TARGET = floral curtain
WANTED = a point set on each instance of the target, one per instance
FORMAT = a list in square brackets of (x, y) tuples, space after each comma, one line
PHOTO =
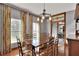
[(31, 22), (23, 17), (6, 29)]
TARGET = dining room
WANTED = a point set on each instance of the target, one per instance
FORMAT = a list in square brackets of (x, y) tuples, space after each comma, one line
[(37, 29)]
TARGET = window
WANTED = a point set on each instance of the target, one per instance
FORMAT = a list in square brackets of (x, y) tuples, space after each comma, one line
[(58, 17), (15, 29), (35, 34)]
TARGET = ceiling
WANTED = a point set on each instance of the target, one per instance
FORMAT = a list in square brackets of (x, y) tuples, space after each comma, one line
[(53, 8)]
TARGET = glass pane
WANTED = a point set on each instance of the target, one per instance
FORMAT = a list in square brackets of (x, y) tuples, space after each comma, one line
[(13, 36), (54, 29), (58, 17), (15, 29), (15, 24), (60, 29), (35, 34)]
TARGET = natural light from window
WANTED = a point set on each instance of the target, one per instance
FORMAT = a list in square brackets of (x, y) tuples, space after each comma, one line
[(15, 29), (35, 34)]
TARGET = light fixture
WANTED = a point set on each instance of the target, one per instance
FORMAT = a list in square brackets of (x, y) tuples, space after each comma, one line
[(38, 19), (41, 20), (45, 15), (50, 18)]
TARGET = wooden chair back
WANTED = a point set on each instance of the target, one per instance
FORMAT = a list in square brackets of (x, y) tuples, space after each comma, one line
[(19, 47)]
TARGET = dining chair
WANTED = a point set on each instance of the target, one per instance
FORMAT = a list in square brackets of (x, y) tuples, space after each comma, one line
[(22, 50)]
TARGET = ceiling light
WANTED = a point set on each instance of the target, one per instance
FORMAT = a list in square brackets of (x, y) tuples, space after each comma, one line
[(38, 19), (45, 15), (50, 18), (41, 20)]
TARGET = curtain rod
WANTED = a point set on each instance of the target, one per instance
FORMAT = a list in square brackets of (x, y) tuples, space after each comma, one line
[(20, 9)]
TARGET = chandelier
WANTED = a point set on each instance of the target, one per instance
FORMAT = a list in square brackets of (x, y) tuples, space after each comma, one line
[(44, 15)]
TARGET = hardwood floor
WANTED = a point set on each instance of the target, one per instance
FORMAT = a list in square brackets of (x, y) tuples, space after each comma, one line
[(61, 51), (14, 52)]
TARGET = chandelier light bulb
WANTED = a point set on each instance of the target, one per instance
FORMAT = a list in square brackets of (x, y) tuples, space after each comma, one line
[(38, 19), (50, 18), (42, 21), (43, 17)]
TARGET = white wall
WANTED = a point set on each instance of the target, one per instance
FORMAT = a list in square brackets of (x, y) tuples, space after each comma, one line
[(27, 24), (48, 26), (45, 26), (70, 24), (43, 29)]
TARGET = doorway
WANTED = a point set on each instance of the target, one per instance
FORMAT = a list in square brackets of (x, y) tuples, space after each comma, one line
[(59, 31)]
